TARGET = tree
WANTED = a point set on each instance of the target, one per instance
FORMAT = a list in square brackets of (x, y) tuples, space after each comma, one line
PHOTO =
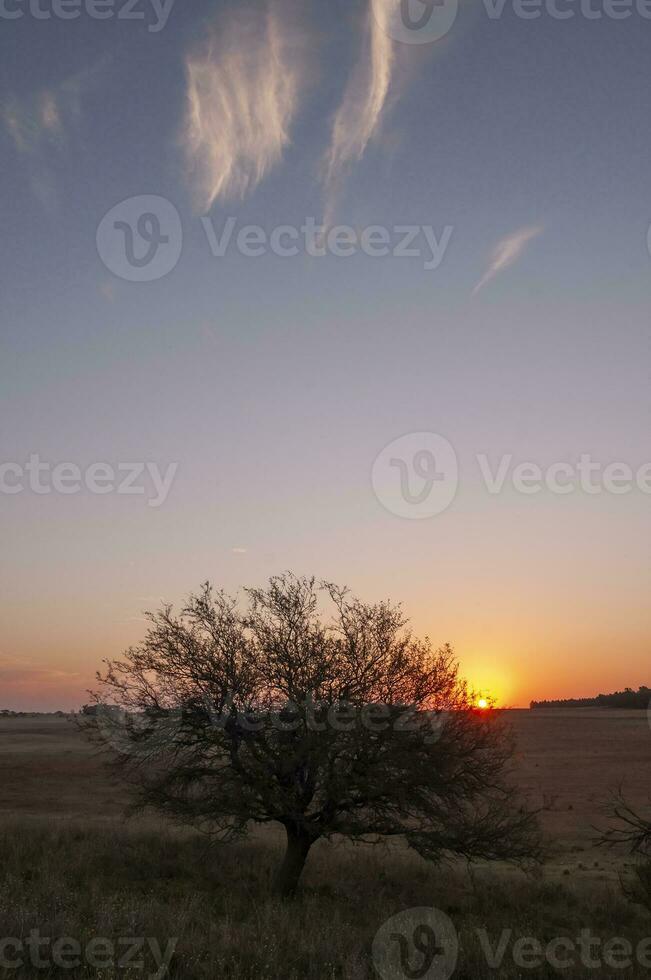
[(633, 831), (339, 724), (627, 828)]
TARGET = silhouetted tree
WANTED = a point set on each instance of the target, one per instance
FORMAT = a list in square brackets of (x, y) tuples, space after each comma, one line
[(627, 827), (342, 725), (630, 829)]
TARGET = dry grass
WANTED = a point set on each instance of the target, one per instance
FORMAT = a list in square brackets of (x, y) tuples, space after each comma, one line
[(69, 866)]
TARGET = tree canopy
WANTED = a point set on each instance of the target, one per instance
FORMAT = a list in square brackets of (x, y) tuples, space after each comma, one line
[(305, 707)]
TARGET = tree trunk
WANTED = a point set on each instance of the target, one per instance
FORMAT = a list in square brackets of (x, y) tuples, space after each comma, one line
[(287, 875)]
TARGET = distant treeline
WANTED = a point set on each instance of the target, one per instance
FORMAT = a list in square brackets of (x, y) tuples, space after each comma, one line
[(8, 713), (628, 698)]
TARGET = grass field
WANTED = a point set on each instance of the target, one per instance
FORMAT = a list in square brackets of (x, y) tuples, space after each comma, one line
[(71, 866)]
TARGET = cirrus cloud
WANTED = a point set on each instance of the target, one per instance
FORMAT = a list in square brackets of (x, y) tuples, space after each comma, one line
[(42, 126), (359, 115), (243, 89), (507, 251)]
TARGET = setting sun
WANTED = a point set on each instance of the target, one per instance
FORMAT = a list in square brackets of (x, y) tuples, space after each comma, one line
[(482, 703)]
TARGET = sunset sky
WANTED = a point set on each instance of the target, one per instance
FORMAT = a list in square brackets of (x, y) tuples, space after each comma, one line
[(275, 382)]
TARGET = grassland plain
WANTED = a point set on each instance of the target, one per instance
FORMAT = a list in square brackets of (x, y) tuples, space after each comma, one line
[(72, 866)]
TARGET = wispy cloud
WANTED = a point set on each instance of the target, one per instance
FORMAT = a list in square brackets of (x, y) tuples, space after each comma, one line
[(37, 119), (41, 125), (243, 86), (48, 117), (37, 126), (507, 251), (359, 115)]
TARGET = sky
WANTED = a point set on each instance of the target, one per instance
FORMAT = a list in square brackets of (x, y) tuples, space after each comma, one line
[(442, 399)]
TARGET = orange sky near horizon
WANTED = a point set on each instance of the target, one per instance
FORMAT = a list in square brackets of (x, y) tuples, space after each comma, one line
[(540, 598), (514, 665)]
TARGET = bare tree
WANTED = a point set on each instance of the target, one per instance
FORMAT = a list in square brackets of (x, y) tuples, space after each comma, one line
[(628, 828), (329, 724)]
